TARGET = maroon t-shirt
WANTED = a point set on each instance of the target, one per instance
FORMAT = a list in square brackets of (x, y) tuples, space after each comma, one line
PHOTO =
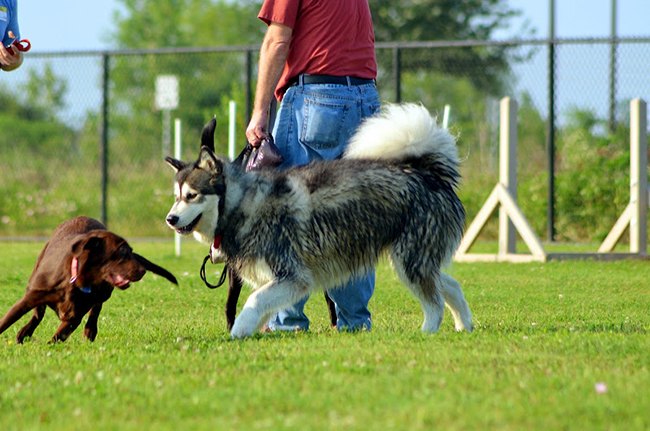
[(330, 37)]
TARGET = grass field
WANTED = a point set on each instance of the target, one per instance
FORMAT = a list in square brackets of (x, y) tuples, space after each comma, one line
[(557, 346)]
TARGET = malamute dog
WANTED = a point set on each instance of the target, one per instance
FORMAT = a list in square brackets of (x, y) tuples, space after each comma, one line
[(292, 231)]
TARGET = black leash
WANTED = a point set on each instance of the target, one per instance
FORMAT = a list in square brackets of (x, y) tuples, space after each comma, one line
[(251, 158), (222, 279)]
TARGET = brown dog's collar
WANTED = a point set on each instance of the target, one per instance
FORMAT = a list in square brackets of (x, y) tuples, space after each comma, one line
[(74, 270)]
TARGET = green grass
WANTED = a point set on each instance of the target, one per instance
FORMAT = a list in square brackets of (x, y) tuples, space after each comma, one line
[(545, 335)]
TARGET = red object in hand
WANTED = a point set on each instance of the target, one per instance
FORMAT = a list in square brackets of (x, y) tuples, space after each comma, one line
[(21, 45)]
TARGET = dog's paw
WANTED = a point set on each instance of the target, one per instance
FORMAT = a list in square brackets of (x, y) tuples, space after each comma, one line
[(245, 323), (25, 332), (90, 333)]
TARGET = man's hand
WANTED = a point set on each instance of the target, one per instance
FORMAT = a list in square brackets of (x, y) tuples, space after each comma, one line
[(8, 61), (257, 129)]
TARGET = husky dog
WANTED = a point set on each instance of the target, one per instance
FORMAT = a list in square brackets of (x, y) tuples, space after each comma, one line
[(292, 231)]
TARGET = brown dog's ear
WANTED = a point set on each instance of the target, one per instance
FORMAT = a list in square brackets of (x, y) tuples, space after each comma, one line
[(150, 266), (81, 250), (90, 242), (176, 164), (209, 162), (207, 137)]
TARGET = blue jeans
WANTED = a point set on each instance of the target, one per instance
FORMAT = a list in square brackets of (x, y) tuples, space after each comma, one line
[(315, 122)]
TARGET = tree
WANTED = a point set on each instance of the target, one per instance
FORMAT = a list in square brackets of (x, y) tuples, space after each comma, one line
[(207, 80), (427, 20), (449, 20)]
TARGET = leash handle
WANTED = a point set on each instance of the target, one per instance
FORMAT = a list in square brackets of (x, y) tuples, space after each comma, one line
[(222, 279)]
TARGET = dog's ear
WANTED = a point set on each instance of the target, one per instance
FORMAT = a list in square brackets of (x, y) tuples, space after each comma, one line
[(150, 266), (176, 164), (209, 162), (207, 138), (89, 244)]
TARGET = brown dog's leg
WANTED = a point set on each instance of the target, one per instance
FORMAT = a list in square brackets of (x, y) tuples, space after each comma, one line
[(331, 307), (234, 289), (19, 309), (90, 331), (28, 330), (66, 328)]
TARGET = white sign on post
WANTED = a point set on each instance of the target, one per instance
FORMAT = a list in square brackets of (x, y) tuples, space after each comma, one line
[(166, 100), (166, 92)]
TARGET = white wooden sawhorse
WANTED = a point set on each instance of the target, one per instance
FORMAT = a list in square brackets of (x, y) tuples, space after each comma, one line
[(512, 220)]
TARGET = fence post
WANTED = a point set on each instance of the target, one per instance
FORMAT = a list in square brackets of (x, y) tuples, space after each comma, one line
[(612, 69), (397, 71), (232, 122), (639, 176), (550, 132), (104, 141), (507, 171), (247, 85), (177, 155)]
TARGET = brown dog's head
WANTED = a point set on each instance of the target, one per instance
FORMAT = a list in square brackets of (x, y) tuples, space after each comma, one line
[(102, 257)]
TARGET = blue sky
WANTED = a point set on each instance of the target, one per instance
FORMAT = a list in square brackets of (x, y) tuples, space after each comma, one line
[(85, 25)]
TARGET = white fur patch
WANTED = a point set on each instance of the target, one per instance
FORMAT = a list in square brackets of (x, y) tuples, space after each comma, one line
[(399, 131)]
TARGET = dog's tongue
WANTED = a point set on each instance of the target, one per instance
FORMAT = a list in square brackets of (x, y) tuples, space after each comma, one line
[(119, 281)]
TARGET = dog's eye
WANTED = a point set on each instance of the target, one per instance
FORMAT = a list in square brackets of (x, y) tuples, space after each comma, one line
[(190, 196)]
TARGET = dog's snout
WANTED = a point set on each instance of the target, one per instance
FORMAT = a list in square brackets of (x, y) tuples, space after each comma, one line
[(172, 220)]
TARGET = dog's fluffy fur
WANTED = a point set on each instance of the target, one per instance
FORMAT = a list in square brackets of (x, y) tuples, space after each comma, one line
[(290, 232)]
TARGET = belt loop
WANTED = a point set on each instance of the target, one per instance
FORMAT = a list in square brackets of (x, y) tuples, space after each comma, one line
[(300, 80), (347, 78)]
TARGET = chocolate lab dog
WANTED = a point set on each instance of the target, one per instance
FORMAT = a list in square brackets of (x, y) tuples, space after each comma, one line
[(76, 273)]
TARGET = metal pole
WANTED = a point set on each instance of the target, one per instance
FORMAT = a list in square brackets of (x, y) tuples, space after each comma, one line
[(550, 135), (166, 134), (177, 156), (397, 71), (103, 156), (247, 85), (232, 122), (612, 71)]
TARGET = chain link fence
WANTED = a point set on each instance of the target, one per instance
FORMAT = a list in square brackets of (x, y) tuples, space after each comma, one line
[(82, 135)]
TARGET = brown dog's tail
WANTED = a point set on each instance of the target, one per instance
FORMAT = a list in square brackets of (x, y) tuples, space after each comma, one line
[(149, 266)]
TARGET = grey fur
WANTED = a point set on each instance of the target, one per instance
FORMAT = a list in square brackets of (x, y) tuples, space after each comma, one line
[(292, 231)]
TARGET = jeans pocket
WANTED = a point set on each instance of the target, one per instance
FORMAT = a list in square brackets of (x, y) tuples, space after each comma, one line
[(323, 124)]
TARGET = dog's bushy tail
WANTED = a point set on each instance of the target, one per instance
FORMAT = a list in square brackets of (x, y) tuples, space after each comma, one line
[(400, 132)]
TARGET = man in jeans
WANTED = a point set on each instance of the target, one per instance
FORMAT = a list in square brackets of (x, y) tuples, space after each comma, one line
[(318, 59)]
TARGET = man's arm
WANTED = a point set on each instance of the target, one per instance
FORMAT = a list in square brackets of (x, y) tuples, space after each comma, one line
[(273, 56)]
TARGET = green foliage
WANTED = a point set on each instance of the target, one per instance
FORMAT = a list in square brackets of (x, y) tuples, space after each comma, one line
[(593, 178), (46, 91), (417, 20), (546, 335), (435, 20)]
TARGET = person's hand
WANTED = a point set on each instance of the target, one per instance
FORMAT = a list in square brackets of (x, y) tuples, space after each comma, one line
[(8, 61), (257, 131)]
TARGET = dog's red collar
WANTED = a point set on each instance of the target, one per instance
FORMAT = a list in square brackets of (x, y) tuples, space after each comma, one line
[(217, 242)]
